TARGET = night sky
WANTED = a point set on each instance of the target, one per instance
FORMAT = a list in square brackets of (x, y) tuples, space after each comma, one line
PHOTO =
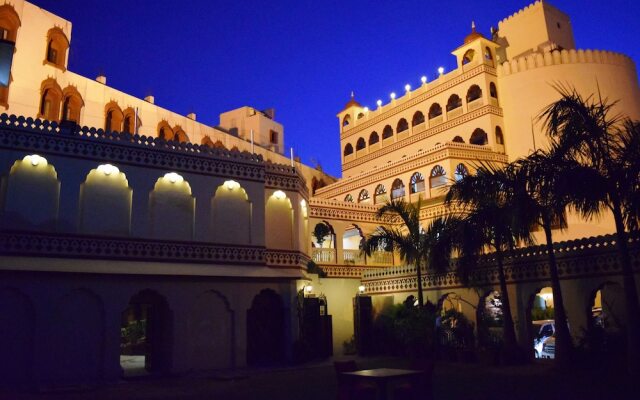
[(301, 57)]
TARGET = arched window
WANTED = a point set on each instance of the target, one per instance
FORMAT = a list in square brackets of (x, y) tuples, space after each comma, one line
[(9, 23), (71, 104), (499, 137), (488, 56), (347, 120), (474, 93), (418, 118), (219, 145), (479, 137), (129, 123), (458, 139), (57, 45), (468, 57), (179, 135), (454, 102), (417, 183), (50, 98), (438, 177), (348, 198), (164, 131), (397, 189), (373, 138), (206, 141), (360, 115), (435, 111), (113, 117), (380, 194), (348, 149), (363, 197), (461, 172), (493, 92), (402, 126), (360, 144), (387, 132)]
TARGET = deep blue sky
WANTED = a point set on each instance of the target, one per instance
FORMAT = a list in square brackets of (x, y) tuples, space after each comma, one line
[(301, 57)]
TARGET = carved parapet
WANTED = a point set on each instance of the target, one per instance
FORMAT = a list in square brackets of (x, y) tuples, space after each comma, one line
[(286, 259)]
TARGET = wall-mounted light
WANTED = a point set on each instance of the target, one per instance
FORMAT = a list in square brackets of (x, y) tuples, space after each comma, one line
[(279, 194), (407, 87), (308, 289), (441, 70), (393, 95), (423, 79), (173, 177), (35, 160), (231, 185), (361, 289), (108, 169)]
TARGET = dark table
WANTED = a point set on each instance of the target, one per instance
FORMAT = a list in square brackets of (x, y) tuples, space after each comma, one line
[(381, 376)]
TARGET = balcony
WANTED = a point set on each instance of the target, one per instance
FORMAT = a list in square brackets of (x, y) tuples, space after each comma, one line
[(323, 256), (353, 256)]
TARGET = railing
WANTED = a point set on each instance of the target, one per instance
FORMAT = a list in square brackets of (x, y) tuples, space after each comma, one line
[(380, 258), (323, 255), (353, 257)]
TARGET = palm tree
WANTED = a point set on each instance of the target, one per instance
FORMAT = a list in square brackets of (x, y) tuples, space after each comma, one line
[(606, 149), (492, 221), (422, 248), (541, 190)]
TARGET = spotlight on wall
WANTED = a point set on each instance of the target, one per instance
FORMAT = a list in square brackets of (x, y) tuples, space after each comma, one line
[(423, 79), (173, 177), (35, 160), (441, 70), (379, 103), (108, 169), (407, 87), (393, 95), (279, 194), (231, 185)]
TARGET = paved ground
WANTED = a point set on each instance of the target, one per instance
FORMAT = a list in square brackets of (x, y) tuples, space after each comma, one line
[(317, 381)]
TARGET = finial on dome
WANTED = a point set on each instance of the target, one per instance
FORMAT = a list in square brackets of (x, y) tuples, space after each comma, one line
[(473, 26), (352, 95)]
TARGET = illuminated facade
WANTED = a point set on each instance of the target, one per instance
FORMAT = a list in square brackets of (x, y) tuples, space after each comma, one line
[(151, 215)]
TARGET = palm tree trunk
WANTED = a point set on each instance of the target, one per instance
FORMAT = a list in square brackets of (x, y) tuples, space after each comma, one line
[(631, 294), (564, 348), (509, 330), (419, 272)]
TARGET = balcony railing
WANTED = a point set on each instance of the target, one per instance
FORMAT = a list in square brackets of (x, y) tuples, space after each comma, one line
[(324, 255), (353, 256), (380, 258)]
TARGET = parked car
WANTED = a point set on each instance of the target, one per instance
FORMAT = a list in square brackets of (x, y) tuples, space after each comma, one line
[(543, 330), (549, 348)]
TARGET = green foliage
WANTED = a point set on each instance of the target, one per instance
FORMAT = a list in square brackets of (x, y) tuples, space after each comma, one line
[(320, 231), (542, 313), (313, 268), (405, 330), (134, 332)]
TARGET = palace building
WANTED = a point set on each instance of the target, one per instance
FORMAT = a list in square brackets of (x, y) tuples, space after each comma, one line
[(133, 234)]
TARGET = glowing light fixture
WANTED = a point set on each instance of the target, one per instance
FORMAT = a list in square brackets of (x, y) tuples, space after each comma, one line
[(379, 103), (108, 169), (407, 87), (279, 194), (308, 289), (231, 185), (303, 203), (361, 289), (423, 79), (35, 160), (441, 70), (393, 95), (366, 109), (173, 177)]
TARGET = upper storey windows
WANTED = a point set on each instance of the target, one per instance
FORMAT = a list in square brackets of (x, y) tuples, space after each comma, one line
[(9, 23), (57, 46)]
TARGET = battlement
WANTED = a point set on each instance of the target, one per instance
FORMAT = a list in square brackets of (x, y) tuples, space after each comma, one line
[(558, 57), (526, 9)]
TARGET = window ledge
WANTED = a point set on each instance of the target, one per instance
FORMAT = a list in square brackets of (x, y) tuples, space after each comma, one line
[(60, 67)]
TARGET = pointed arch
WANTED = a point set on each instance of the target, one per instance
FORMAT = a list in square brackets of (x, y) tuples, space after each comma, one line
[(348, 149), (164, 131), (474, 93), (380, 194), (397, 189), (360, 144), (363, 196), (468, 56), (57, 46), (346, 120), (9, 22), (418, 118), (460, 172), (454, 102), (50, 98), (179, 135), (435, 111), (387, 132), (479, 137), (113, 117), (72, 104), (437, 177), (402, 126), (374, 138), (416, 183), (129, 123), (206, 141)]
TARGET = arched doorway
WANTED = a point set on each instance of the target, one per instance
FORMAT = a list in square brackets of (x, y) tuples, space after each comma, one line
[(265, 329), (542, 326), (605, 337), (352, 240), (145, 335), (323, 240)]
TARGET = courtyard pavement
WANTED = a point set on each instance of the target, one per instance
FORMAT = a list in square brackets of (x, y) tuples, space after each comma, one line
[(454, 381)]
